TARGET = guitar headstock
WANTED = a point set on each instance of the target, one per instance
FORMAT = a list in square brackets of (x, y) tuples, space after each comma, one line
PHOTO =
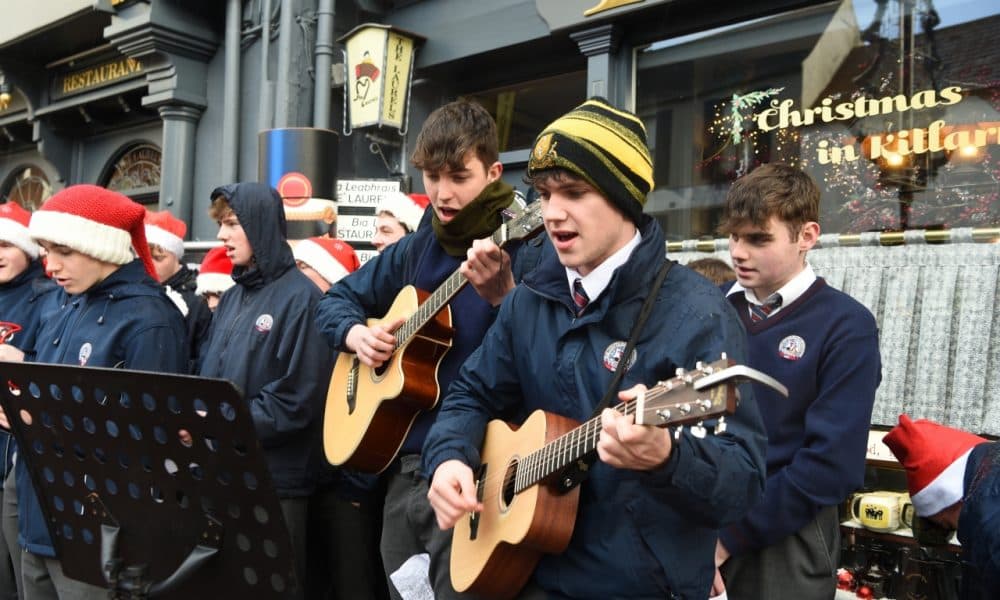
[(527, 224), (707, 391)]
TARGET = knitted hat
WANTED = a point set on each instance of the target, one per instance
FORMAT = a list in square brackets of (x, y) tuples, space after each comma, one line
[(166, 231), (934, 457), (215, 273), (604, 146), (94, 221), (14, 228), (407, 208), (332, 259)]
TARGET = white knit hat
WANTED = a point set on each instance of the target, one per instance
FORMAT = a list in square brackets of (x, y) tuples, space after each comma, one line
[(407, 208), (332, 259), (166, 231), (94, 221), (14, 228)]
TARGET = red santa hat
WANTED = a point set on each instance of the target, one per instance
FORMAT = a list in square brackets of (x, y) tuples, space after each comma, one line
[(166, 231), (332, 259), (14, 228), (407, 208), (94, 221), (934, 457), (215, 273)]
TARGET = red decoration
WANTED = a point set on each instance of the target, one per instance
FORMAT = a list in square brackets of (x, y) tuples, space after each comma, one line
[(864, 592)]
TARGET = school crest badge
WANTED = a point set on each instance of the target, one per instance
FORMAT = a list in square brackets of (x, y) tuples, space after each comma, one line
[(264, 323), (792, 347), (613, 354), (84, 355)]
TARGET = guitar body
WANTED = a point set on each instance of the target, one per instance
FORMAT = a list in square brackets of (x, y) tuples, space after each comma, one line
[(369, 411), (496, 556)]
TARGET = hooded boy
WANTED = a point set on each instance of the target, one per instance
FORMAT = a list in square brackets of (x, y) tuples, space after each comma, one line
[(110, 312), (264, 340)]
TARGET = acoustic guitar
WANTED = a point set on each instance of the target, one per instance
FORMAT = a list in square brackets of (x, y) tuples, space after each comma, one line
[(526, 508), (370, 411)]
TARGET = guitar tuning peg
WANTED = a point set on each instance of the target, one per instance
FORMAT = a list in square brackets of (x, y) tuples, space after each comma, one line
[(721, 426), (724, 356), (699, 366), (698, 430), (679, 372), (677, 432)]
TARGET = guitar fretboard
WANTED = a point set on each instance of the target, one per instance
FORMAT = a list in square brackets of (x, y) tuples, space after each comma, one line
[(564, 450), (441, 296)]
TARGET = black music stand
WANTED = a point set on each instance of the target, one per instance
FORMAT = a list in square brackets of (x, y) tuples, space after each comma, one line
[(133, 508)]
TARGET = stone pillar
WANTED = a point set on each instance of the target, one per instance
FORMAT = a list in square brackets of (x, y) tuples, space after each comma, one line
[(607, 74), (177, 193)]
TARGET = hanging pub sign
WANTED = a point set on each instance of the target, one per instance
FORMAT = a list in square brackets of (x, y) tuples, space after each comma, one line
[(379, 67)]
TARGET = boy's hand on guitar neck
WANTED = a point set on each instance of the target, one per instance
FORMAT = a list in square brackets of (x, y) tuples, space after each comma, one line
[(373, 345), (625, 445), (452, 493), (487, 267)]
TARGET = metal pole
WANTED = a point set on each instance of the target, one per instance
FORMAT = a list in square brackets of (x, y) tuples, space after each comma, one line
[(231, 95), (266, 95), (283, 96), (324, 61)]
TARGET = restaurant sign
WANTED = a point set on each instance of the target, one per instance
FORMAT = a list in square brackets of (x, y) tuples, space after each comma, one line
[(96, 76)]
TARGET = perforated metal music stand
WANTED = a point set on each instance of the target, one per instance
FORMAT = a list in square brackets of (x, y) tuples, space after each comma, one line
[(133, 507)]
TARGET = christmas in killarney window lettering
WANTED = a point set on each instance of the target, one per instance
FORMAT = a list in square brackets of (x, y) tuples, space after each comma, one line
[(893, 106)]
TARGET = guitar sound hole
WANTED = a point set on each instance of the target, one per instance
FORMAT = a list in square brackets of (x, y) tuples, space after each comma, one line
[(507, 491)]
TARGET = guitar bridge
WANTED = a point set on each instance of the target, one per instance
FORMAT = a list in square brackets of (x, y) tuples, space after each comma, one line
[(474, 516), (352, 386)]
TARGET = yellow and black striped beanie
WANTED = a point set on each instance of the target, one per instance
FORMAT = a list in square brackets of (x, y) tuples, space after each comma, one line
[(604, 146)]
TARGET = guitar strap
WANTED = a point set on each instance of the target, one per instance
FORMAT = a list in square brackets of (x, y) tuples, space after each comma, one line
[(576, 473)]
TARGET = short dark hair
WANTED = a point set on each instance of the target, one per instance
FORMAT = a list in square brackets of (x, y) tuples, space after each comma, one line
[(451, 131), (778, 190)]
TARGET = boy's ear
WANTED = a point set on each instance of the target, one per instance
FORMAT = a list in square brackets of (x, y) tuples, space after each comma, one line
[(494, 172), (808, 236)]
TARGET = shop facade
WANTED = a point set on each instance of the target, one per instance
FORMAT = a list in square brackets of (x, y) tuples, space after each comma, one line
[(893, 106)]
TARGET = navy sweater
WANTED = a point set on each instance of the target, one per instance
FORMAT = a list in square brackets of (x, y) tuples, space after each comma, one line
[(824, 347)]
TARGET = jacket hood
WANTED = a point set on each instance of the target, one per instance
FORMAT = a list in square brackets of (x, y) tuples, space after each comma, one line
[(262, 216)]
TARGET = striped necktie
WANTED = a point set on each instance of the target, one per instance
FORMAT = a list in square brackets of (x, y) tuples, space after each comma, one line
[(579, 296), (759, 312)]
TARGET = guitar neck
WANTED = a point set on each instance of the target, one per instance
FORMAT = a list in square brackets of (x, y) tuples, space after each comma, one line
[(437, 300), (563, 451)]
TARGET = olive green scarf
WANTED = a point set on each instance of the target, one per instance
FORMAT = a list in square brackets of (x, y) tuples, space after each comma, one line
[(479, 219)]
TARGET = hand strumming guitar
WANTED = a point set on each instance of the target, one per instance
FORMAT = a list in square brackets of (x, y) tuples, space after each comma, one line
[(452, 493), (373, 345), (625, 445), (487, 267)]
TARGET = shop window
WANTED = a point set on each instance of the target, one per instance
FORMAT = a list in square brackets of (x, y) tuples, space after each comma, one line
[(135, 173), (893, 106), (28, 186), (523, 110)]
